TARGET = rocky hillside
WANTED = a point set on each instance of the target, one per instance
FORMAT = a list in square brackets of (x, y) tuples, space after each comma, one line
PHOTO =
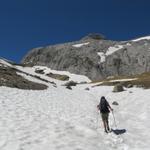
[(10, 76), (95, 57)]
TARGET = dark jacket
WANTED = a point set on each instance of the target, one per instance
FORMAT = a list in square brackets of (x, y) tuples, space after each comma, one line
[(103, 106)]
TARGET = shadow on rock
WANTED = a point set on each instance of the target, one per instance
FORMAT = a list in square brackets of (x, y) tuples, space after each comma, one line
[(119, 131)]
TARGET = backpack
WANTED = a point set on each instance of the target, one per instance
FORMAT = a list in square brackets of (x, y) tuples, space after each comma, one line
[(103, 106)]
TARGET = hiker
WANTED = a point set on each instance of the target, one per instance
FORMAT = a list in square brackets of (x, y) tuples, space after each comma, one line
[(104, 108)]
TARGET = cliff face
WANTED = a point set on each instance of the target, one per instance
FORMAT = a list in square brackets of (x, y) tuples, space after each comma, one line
[(94, 57)]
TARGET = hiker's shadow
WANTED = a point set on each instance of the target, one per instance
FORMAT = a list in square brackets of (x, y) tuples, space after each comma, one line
[(118, 131)]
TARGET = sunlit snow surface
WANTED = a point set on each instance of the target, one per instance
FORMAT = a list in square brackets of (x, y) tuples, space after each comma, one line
[(58, 118), (62, 119)]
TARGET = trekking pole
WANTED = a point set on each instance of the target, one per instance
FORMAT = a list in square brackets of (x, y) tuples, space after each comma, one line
[(97, 118), (114, 119)]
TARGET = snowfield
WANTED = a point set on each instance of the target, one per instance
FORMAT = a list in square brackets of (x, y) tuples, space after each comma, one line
[(63, 119), (58, 118)]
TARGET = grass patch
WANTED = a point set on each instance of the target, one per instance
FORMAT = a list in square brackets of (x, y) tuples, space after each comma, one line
[(58, 76), (140, 80)]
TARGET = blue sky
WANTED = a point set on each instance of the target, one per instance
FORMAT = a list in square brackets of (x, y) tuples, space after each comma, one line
[(26, 24)]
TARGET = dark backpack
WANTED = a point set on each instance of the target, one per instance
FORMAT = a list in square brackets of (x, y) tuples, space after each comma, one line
[(103, 106)]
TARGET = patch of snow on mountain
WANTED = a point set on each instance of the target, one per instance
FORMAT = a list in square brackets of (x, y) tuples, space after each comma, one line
[(80, 45), (142, 38), (5, 63), (102, 57), (111, 50), (73, 77), (31, 70)]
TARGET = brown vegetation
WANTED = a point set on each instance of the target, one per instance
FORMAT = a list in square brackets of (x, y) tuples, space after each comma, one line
[(58, 76), (9, 78), (140, 80)]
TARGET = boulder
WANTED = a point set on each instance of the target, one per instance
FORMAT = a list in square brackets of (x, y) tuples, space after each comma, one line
[(118, 88), (69, 87), (70, 83), (40, 71), (87, 89), (115, 103)]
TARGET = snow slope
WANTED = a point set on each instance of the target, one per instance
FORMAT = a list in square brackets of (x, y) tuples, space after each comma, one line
[(62, 119), (142, 38), (72, 77)]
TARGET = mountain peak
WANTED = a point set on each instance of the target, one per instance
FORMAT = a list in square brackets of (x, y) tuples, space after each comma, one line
[(94, 36)]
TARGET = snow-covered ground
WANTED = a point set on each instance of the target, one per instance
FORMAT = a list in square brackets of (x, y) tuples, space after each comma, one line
[(63, 119), (58, 118)]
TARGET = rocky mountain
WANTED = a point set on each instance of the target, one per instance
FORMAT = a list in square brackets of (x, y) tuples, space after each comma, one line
[(94, 57)]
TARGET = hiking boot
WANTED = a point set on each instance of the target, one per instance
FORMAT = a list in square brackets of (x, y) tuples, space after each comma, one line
[(108, 129), (105, 131)]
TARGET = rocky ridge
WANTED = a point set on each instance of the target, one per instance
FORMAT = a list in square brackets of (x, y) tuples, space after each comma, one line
[(94, 57)]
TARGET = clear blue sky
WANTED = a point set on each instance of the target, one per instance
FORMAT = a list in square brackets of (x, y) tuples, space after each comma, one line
[(26, 24)]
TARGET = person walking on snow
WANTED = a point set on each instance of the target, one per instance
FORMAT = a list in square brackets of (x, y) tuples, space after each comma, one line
[(104, 108)]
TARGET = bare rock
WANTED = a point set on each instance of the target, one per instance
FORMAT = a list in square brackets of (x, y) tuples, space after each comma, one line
[(70, 83), (69, 87), (87, 89), (129, 58), (115, 103), (40, 71), (118, 88)]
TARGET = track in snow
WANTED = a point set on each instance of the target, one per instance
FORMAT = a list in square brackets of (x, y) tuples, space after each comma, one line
[(31, 120)]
